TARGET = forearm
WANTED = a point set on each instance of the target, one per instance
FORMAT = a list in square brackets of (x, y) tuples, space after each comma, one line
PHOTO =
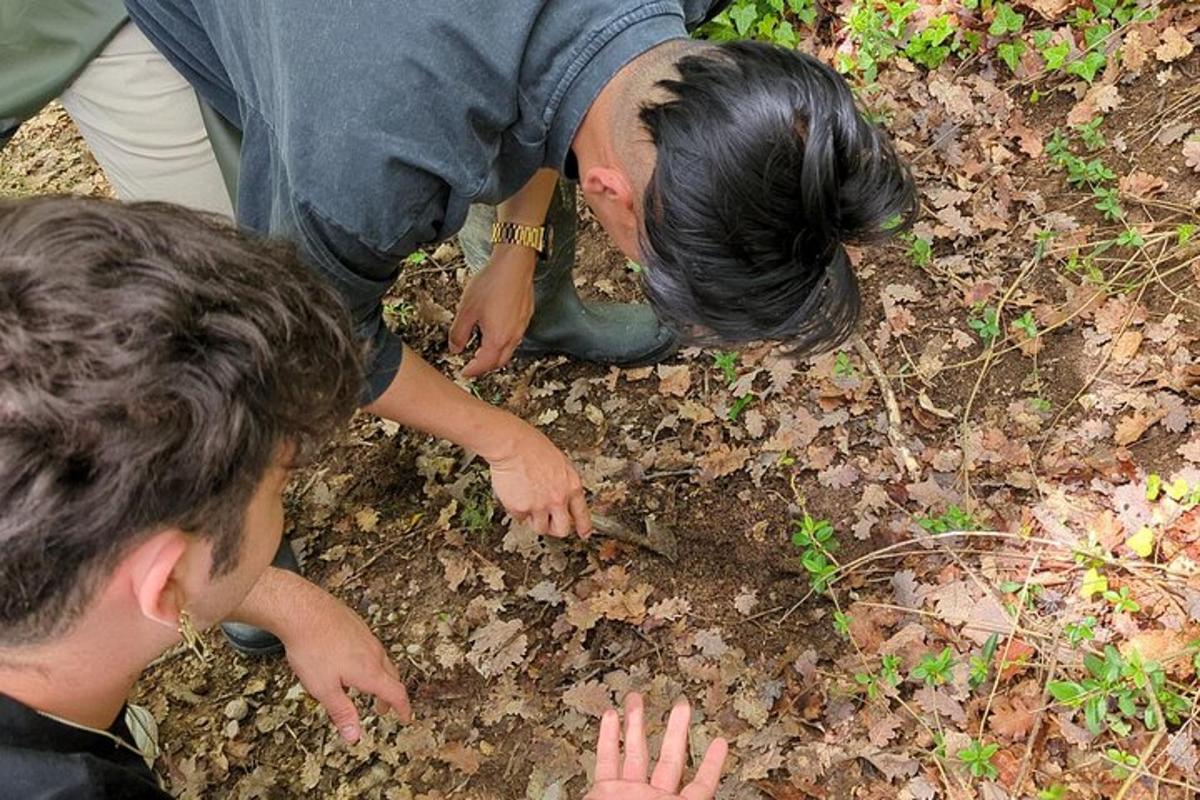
[(530, 204), (420, 397), (275, 600)]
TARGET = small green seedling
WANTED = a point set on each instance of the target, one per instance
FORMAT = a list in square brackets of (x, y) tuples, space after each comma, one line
[(1090, 135), (727, 363), (1108, 202), (1131, 237), (987, 325), (934, 670), (842, 366), (889, 669), (977, 757), (816, 541), (416, 258), (1121, 601), (953, 519), (1079, 632), (841, 624), (1121, 761), (981, 664), (739, 405), (1027, 325), (1006, 21)]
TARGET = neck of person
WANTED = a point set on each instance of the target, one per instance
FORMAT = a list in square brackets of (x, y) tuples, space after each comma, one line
[(611, 125), (85, 675)]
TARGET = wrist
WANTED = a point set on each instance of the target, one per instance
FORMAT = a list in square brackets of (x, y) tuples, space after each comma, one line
[(516, 259), (501, 434)]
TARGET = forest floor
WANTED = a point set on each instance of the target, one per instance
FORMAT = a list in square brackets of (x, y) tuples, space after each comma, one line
[(959, 557)]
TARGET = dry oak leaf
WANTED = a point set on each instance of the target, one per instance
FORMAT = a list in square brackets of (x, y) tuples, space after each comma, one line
[(460, 757), (884, 730), (840, 477), (1191, 154), (1142, 184), (1130, 428), (671, 609), (497, 646), (674, 380), (1174, 46), (592, 698), (722, 461), (1133, 53), (1011, 718)]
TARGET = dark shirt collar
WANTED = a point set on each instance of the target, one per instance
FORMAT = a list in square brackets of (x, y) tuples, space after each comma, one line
[(606, 52), (36, 750)]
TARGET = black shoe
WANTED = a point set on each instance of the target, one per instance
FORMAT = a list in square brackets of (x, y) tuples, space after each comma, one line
[(256, 642)]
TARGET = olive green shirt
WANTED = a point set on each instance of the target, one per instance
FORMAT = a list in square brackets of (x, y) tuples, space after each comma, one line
[(44, 44)]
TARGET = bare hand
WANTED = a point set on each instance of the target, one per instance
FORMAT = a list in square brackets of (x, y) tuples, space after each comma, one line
[(537, 484), (331, 650), (499, 302), (628, 781)]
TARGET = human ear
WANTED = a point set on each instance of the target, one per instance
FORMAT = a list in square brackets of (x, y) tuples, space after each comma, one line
[(156, 571), (610, 194)]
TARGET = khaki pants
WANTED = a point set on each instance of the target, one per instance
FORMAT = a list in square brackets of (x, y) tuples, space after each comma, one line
[(141, 120)]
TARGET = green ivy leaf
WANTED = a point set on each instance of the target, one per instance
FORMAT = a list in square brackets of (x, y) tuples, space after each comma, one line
[(1006, 21)]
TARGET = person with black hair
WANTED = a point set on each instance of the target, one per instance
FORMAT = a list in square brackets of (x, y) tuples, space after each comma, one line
[(734, 173)]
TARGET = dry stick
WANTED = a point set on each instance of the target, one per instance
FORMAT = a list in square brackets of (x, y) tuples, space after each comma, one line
[(989, 355), (1035, 730), (987, 709), (1149, 748), (895, 422)]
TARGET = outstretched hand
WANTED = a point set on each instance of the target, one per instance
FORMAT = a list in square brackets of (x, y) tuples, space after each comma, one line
[(627, 780), (332, 650)]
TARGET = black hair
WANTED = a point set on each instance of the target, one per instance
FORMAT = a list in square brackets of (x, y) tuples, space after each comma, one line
[(153, 363), (765, 170)]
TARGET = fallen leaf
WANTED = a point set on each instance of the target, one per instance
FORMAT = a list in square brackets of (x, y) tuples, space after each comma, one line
[(367, 520), (884, 730), (1142, 542), (460, 757), (839, 477), (1131, 427), (1142, 184), (1191, 154), (745, 601), (592, 698), (1174, 46), (1126, 346), (1093, 583), (1011, 718), (497, 646), (674, 381)]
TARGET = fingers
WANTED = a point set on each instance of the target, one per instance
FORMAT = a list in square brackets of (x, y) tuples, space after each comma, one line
[(487, 358), (560, 522), (708, 776), (637, 757), (539, 520), (389, 691), (673, 755), (463, 326), (342, 712), (608, 747), (581, 517)]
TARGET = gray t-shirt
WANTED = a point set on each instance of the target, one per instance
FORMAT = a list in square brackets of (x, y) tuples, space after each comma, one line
[(371, 125)]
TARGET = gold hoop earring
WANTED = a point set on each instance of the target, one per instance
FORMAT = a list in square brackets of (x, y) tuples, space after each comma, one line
[(192, 638)]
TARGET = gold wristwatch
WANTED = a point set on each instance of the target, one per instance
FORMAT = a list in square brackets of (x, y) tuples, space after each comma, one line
[(536, 237)]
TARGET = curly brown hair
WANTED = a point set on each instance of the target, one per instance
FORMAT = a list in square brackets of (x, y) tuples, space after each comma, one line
[(153, 361)]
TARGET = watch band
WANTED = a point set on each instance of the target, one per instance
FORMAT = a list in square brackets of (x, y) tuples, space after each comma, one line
[(536, 237)]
